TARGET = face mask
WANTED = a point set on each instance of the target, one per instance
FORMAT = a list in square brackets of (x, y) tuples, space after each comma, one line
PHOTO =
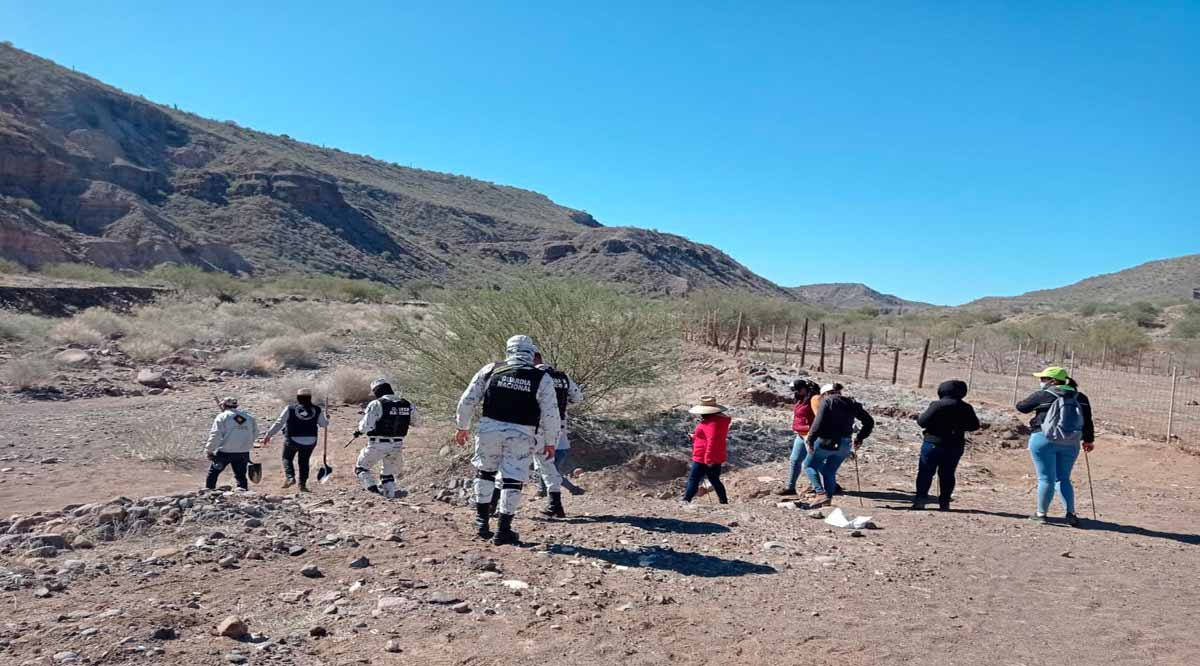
[(305, 400), (1046, 384)]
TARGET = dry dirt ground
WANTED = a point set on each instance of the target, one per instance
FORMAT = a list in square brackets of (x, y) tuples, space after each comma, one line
[(631, 577)]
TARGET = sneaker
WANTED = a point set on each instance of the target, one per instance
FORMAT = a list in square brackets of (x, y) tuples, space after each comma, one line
[(303, 488), (943, 506), (288, 482), (1072, 520), (1038, 518), (785, 491)]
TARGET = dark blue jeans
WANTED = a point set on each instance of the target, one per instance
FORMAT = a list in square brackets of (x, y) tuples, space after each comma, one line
[(699, 471), (238, 461), (940, 460)]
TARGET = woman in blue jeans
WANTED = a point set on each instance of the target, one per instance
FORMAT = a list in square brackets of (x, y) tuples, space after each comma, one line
[(1054, 460)]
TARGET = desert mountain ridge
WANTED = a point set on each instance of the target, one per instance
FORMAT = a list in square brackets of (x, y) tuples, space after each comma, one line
[(89, 173)]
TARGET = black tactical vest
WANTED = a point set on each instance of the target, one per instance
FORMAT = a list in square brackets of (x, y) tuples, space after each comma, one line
[(511, 394), (394, 420), (302, 421), (562, 390)]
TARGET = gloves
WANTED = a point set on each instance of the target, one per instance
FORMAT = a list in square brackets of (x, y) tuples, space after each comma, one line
[(357, 433), (212, 457)]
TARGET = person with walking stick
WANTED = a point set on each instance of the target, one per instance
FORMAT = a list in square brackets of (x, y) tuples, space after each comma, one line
[(1061, 425), (829, 438), (1088, 444)]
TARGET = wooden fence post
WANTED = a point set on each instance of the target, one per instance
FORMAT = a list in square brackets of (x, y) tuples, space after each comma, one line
[(924, 358), (895, 364), (787, 332), (1171, 409), (737, 345), (804, 343), (1017, 372), (842, 358), (772, 348), (1104, 356), (870, 347), (821, 366), (1071, 365), (971, 366)]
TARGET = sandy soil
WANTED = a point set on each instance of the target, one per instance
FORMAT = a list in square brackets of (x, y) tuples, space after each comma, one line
[(627, 578)]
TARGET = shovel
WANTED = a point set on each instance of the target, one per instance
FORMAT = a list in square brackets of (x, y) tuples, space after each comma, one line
[(326, 471)]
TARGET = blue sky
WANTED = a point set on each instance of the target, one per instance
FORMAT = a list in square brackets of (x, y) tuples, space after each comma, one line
[(941, 151)]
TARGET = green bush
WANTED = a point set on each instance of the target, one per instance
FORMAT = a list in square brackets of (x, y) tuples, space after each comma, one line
[(1187, 328), (23, 327), (1141, 313), (1122, 338), (610, 343), (193, 280), (335, 288), (82, 273), (8, 267)]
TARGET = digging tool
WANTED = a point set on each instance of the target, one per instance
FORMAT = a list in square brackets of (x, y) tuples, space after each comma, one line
[(857, 478), (1091, 491), (326, 471), (351, 441)]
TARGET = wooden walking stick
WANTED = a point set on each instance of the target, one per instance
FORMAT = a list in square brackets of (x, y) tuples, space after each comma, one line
[(857, 478), (1091, 491)]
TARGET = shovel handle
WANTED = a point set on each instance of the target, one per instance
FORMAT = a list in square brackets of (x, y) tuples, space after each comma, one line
[(351, 441)]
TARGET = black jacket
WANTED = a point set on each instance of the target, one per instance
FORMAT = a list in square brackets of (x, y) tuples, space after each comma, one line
[(1039, 403), (835, 419), (948, 419)]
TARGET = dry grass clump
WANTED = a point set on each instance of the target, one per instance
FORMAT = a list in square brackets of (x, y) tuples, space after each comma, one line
[(285, 389), (145, 349), (350, 386), (248, 361), (23, 327), (103, 321), (175, 445), (27, 372), (73, 331)]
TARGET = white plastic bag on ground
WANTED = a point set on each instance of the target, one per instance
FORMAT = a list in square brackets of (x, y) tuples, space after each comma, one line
[(838, 519)]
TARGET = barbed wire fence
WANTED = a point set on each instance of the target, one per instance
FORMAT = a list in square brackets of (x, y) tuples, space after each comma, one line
[(1151, 395)]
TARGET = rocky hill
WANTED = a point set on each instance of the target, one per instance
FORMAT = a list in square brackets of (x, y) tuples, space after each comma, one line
[(848, 295), (90, 173), (1154, 281)]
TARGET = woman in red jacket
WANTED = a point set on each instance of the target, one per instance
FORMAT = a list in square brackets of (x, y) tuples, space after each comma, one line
[(708, 448)]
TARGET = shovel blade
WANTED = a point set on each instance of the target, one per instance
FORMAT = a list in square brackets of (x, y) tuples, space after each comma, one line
[(324, 474)]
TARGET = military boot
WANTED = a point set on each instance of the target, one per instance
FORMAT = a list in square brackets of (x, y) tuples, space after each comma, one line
[(554, 509), (505, 536), (483, 518), (495, 510)]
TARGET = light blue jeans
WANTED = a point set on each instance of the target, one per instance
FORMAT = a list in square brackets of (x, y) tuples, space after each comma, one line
[(821, 466), (799, 453), (1053, 463)]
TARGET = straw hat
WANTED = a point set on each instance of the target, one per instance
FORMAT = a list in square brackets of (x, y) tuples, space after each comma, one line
[(708, 405)]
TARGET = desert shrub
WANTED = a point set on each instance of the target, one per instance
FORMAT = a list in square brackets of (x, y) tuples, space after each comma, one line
[(193, 280), (82, 272), (9, 267), (172, 444), (1122, 338), (1141, 313), (103, 321), (27, 372), (285, 389), (302, 318), (610, 343), (24, 327), (248, 361), (350, 386), (292, 352), (335, 288), (1188, 327), (77, 332), (145, 349)]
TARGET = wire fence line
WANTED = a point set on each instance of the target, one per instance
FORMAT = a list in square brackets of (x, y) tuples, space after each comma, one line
[(1150, 395)]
